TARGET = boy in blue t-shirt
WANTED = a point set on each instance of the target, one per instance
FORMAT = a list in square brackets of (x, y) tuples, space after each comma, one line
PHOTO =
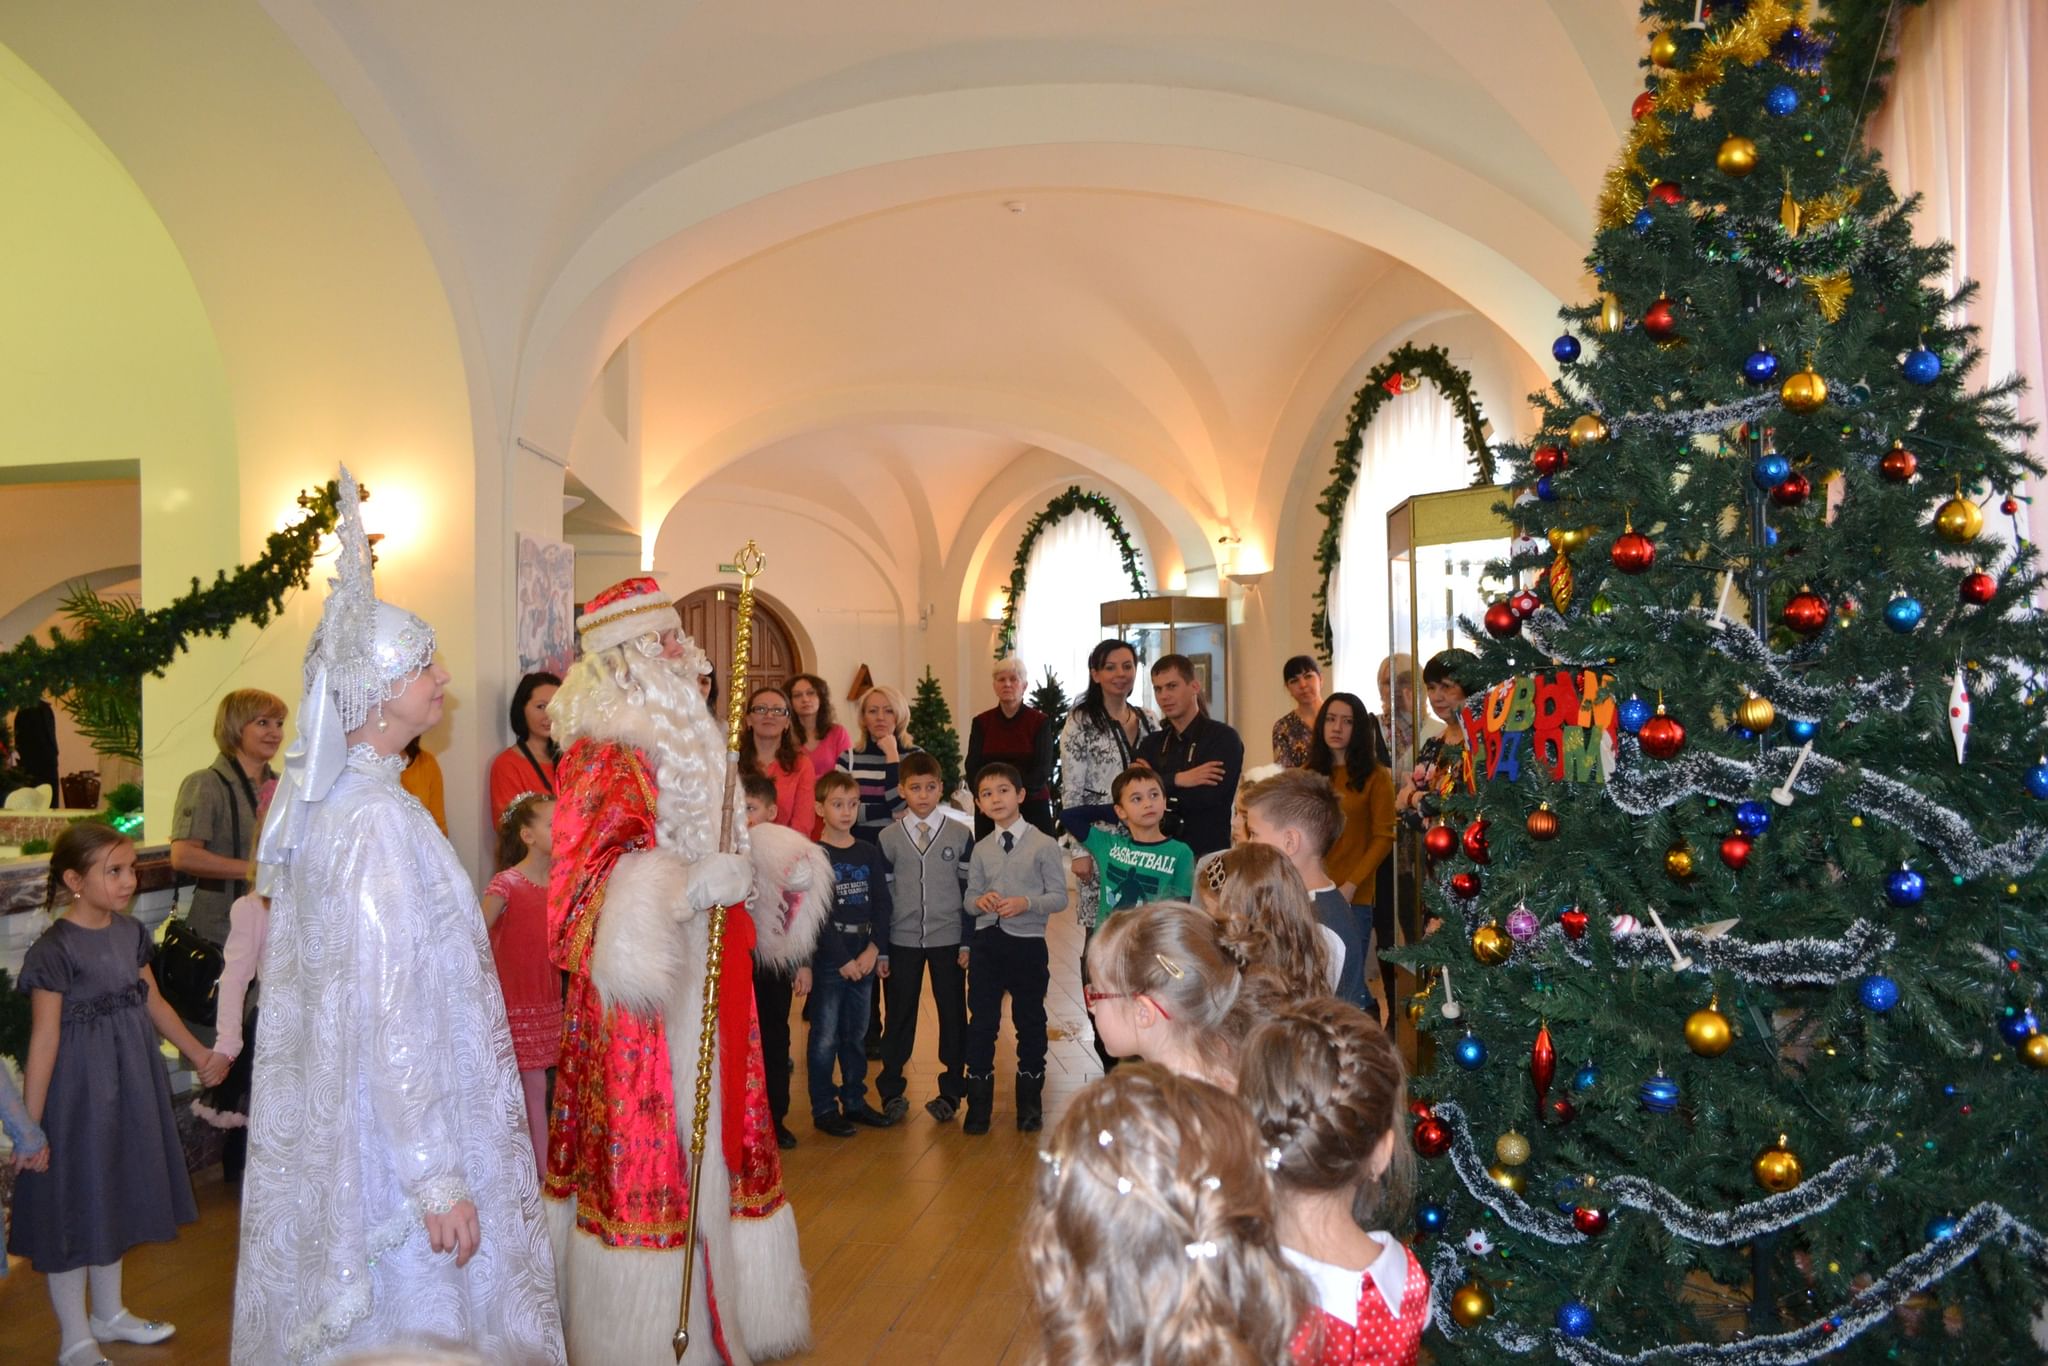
[(843, 964)]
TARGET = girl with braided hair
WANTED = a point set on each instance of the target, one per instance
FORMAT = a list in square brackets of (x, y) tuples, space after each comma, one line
[(1264, 906), (1151, 1234), (1326, 1087), (1167, 983)]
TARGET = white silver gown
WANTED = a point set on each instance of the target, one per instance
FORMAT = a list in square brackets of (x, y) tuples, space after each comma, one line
[(385, 1086)]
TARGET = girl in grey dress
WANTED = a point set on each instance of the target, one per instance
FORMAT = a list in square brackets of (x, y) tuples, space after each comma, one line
[(114, 1174)]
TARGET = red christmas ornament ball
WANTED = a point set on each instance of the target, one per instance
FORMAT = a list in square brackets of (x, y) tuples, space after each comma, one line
[(1660, 319), (1667, 192), (1805, 612), (1574, 922), (1561, 1111), (1524, 604), (1440, 841), (1548, 459), (1795, 490), (1432, 1137), (1978, 588), (2010, 506), (1661, 736), (1642, 105), (1589, 1221), (1465, 886), (1633, 552), (1898, 465), (1735, 851), (1501, 621), (1474, 841)]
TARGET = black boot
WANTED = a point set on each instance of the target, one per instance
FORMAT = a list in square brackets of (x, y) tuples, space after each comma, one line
[(981, 1104), (1030, 1109)]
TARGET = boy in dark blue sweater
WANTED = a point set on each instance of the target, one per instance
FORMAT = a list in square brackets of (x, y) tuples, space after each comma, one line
[(843, 965)]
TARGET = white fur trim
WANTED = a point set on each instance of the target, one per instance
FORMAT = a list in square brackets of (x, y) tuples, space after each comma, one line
[(792, 895), (619, 1303), (772, 1302), (637, 957), (219, 1119)]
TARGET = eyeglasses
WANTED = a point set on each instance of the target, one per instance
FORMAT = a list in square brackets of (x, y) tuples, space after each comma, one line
[(767, 711), (1094, 998)]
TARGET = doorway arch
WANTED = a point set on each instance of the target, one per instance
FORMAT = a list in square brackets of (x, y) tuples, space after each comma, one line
[(711, 617)]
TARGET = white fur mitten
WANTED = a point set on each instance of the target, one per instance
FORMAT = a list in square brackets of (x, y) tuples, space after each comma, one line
[(719, 880)]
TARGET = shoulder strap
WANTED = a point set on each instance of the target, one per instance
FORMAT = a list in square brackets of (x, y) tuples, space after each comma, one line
[(235, 824)]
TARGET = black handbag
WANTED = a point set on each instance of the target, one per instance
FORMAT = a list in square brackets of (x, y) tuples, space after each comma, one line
[(188, 968)]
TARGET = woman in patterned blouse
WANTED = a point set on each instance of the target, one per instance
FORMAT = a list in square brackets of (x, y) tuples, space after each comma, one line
[(1294, 732)]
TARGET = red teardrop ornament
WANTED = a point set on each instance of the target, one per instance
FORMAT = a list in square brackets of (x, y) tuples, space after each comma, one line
[(1542, 1062), (1574, 922)]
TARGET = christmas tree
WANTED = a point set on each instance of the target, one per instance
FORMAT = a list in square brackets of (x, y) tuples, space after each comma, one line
[(1734, 1001), (931, 729), (1051, 699)]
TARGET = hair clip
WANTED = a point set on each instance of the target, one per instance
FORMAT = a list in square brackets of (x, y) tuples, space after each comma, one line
[(1173, 969), (512, 806), (1273, 1159), (1215, 874), (1205, 1250), (1050, 1159), (1105, 1138), (1123, 1185), (1212, 1183)]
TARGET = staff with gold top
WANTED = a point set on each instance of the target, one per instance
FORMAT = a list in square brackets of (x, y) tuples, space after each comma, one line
[(654, 1168)]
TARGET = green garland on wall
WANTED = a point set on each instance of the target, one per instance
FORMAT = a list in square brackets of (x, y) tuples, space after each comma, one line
[(122, 650), (1074, 500), (1400, 373)]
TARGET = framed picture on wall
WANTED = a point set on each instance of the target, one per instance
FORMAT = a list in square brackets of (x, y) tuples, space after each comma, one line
[(546, 575), (1201, 663)]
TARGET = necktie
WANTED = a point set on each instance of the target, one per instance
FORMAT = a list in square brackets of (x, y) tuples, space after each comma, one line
[(923, 834), (1009, 841)]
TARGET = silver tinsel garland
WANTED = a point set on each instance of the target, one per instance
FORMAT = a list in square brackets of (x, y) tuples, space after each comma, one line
[(1695, 421), (1813, 961)]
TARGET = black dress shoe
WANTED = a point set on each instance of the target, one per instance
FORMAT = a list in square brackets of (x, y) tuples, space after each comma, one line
[(895, 1108), (834, 1125), (784, 1139), (941, 1108), (871, 1118)]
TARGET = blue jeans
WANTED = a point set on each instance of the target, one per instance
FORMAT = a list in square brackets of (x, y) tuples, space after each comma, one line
[(839, 1030)]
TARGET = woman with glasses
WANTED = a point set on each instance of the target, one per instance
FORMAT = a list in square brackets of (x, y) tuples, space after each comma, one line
[(770, 751)]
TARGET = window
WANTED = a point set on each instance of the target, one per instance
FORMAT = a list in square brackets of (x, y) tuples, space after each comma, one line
[(1414, 445), (1072, 570)]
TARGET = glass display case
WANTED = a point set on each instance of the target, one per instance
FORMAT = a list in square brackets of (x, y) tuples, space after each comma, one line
[(1168, 625), (1438, 548)]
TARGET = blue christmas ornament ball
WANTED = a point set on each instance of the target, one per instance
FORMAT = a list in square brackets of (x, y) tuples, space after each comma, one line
[(1575, 1318), (1470, 1051), (1643, 222), (1770, 471), (1760, 368), (1585, 1078), (1802, 731), (1565, 348), (1781, 100), (1878, 993), (1752, 818), (1430, 1218), (1659, 1095), (1905, 887), (1940, 1230), (1770, 535), (1903, 614), (1922, 366), (1633, 713), (2015, 1025), (1564, 1193), (2037, 781), (1546, 490)]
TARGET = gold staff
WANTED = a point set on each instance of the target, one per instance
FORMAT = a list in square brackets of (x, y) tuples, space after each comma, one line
[(749, 562)]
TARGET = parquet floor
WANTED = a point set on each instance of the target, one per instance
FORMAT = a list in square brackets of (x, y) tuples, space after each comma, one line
[(910, 1234)]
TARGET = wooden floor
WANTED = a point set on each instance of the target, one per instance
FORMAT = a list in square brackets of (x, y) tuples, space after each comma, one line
[(910, 1234)]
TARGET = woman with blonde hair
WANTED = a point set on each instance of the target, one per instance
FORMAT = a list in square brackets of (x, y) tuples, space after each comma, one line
[(1151, 1234), (875, 762)]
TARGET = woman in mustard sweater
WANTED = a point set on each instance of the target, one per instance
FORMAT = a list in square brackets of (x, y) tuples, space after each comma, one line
[(1342, 751)]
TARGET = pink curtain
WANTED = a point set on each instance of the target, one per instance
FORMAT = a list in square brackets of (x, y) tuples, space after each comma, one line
[(1963, 126)]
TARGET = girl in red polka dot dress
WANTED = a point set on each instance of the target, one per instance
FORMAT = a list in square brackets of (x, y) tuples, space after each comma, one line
[(1327, 1089)]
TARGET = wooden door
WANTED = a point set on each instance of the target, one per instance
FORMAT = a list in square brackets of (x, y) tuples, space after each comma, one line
[(711, 617)]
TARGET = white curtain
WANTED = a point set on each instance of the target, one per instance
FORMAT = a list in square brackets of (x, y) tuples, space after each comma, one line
[(1413, 445), (1961, 125), (1072, 570)]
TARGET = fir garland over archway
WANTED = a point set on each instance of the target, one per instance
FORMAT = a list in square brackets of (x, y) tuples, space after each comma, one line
[(1401, 373), (1074, 500), (120, 650)]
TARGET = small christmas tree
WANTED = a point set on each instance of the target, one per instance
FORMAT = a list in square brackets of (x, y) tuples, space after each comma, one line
[(931, 728), (1051, 699)]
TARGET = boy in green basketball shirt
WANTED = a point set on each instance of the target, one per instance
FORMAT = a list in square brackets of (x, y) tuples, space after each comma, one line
[(1137, 865)]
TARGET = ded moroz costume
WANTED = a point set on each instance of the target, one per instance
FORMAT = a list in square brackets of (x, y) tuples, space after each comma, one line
[(642, 797), (384, 1089)]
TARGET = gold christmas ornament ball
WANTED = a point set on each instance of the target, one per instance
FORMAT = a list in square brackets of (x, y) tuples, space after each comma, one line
[(2035, 1050), (1959, 520), (1611, 320), (1737, 157), (1511, 1148), (1707, 1032), (1587, 429), (1756, 713), (1508, 1178), (1803, 392), (1564, 540), (1777, 1168), (1490, 946), (1678, 863), (1664, 48), (1471, 1303)]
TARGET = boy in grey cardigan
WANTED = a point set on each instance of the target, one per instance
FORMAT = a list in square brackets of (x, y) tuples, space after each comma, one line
[(927, 852), (1016, 880)]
